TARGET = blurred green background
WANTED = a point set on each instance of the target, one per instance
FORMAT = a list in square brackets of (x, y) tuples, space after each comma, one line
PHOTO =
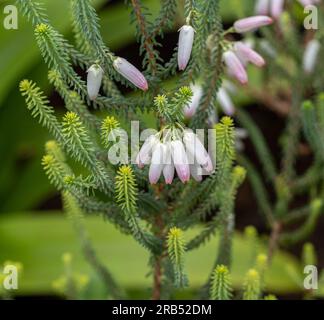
[(33, 229)]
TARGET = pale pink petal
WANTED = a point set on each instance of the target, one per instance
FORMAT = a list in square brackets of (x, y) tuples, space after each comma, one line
[(251, 23), (131, 73), (249, 54), (235, 66), (186, 38)]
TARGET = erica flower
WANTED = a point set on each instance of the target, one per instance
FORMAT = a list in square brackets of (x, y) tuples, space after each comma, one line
[(310, 55), (196, 148), (178, 151), (186, 38), (274, 8), (237, 58), (168, 170), (180, 160), (224, 99), (131, 73), (245, 53), (190, 109), (157, 165), (235, 67), (251, 23), (94, 79), (145, 154)]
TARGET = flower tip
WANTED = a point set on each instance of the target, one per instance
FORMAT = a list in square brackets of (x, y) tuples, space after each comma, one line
[(182, 66), (145, 87)]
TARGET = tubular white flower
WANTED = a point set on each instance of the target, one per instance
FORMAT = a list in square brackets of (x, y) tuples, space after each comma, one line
[(94, 79), (235, 66), (225, 102), (248, 54), (251, 23), (191, 108), (310, 55), (145, 152), (157, 164), (180, 160), (262, 7), (168, 170), (186, 38), (277, 7), (196, 148), (131, 73)]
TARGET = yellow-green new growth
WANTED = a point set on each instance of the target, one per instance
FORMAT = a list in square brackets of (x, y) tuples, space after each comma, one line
[(54, 170), (37, 103), (176, 250), (225, 137), (252, 285), (126, 189), (220, 288), (52, 148), (108, 125)]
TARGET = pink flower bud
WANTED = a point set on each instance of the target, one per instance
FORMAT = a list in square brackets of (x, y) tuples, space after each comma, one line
[(168, 173), (248, 54), (235, 67), (94, 79), (251, 23), (190, 109), (131, 73), (197, 149), (157, 164), (145, 153), (180, 160), (277, 7), (262, 7), (225, 102), (311, 55), (186, 38)]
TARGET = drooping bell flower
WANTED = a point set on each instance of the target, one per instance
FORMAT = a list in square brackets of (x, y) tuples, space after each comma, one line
[(145, 153), (131, 73), (168, 170), (235, 66), (186, 38), (94, 79), (180, 160), (190, 109), (157, 164), (275, 8), (262, 7), (311, 55), (248, 54), (251, 23), (225, 101), (197, 149)]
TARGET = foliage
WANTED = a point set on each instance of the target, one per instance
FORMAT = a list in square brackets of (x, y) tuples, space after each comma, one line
[(157, 216)]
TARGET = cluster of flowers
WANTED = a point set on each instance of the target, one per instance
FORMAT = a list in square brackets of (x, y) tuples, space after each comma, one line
[(276, 7), (174, 150), (186, 38), (236, 56)]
